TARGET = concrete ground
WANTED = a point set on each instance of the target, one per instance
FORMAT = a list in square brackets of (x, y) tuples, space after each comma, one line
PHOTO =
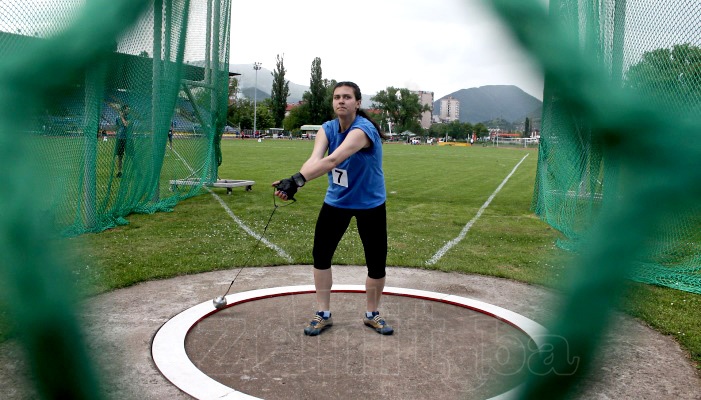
[(438, 350)]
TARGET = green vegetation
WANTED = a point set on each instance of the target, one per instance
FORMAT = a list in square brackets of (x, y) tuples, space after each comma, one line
[(316, 106), (464, 130), (670, 312), (279, 92), (433, 191), (401, 107)]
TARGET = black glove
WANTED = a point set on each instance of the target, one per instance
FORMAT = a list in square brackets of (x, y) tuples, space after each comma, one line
[(289, 185)]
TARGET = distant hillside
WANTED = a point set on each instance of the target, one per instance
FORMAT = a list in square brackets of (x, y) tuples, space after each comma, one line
[(487, 103), (476, 105), (247, 81)]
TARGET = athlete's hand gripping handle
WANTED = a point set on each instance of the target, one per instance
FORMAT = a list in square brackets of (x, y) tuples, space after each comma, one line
[(286, 188)]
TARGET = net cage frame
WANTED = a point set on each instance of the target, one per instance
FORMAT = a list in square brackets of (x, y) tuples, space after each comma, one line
[(88, 199), (631, 42)]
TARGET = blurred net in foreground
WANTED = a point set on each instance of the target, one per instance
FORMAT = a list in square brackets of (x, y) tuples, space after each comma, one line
[(83, 84), (170, 67), (618, 162), (642, 52)]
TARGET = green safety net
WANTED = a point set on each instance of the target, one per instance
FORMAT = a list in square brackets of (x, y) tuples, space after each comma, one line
[(169, 66), (618, 170), (67, 69), (643, 53), (618, 162)]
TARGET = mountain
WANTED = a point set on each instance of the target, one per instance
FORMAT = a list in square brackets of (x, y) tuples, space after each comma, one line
[(480, 104), (486, 103), (247, 82)]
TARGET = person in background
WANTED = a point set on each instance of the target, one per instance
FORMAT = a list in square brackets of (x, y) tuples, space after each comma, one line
[(348, 149), (173, 124), (123, 125)]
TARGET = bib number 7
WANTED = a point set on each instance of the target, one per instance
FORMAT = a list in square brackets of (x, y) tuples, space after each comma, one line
[(340, 177)]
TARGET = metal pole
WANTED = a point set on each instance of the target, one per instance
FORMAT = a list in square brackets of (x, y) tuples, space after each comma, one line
[(619, 35), (156, 93), (208, 44), (215, 69), (256, 66), (167, 31)]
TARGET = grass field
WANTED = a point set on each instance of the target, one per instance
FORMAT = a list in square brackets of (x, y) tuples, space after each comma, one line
[(62, 166), (432, 194)]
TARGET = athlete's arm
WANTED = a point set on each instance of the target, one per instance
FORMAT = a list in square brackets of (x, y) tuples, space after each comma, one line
[(321, 145), (318, 165)]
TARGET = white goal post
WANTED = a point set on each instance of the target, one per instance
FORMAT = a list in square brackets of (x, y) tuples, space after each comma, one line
[(515, 142)]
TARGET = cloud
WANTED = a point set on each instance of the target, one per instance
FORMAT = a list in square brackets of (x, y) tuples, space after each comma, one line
[(439, 46)]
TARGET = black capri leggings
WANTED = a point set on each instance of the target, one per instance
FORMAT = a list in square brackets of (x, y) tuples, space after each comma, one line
[(372, 227)]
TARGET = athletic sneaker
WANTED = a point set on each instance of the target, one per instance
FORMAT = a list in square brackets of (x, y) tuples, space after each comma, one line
[(318, 324), (378, 324)]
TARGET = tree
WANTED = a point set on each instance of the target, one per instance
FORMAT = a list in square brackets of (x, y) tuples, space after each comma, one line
[(481, 130), (527, 128), (402, 108), (264, 119), (279, 93), (233, 89), (327, 110), (438, 130), (459, 130), (454, 129), (241, 114), (233, 100), (302, 113), (298, 117), (501, 123), (316, 96), (669, 77)]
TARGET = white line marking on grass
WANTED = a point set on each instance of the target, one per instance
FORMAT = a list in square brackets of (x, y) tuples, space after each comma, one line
[(238, 221), (440, 253), (248, 230), (183, 160)]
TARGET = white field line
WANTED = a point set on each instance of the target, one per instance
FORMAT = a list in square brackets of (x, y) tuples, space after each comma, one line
[(248, 230), (440, 253), (238, 221)]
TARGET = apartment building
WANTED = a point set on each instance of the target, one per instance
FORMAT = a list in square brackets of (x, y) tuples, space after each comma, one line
[(425, 98), (450, 110)]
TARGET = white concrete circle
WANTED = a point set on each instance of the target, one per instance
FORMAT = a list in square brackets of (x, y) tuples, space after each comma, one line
[(168, 347)]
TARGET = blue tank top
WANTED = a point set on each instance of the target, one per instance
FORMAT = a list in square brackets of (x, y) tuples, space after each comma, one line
[(358, 182)]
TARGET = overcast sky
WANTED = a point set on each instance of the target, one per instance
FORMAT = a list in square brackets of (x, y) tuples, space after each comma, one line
[(439, 46)]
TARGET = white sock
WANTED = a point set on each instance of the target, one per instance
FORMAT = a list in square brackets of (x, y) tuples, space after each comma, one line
[(327, 314)]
